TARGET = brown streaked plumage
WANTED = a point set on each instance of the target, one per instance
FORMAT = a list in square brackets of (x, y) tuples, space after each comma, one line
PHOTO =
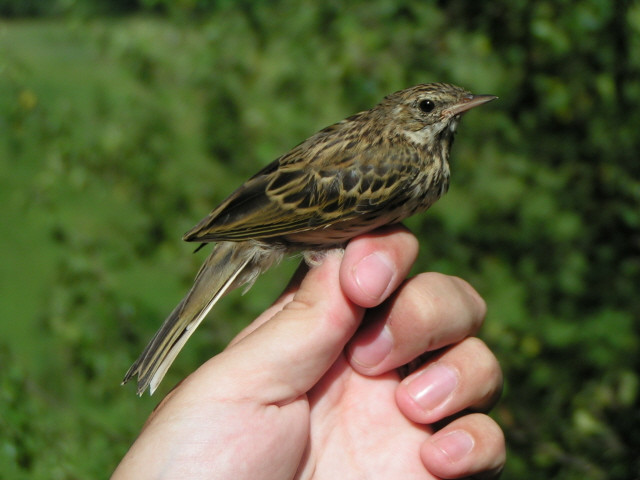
[(374, 168)]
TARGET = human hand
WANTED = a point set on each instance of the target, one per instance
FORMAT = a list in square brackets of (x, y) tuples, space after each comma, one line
[(310, 389)]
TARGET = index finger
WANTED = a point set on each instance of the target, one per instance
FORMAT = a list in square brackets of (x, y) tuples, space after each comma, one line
[(372, 267), (428, 312)]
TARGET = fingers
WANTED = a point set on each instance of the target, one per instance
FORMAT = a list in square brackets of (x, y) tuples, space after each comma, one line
[(313, 300), (428, 312), (284, 357), (373, 266), (376, 263), (465, 376), (470, 445)]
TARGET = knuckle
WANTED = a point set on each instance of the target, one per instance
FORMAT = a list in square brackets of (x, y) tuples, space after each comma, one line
[(446, 295), (476, 302), (431, 288), (485, 374), (486, 360), (489, 435)]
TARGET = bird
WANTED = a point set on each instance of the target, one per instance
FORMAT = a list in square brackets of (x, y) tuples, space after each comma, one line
[(374, 168)]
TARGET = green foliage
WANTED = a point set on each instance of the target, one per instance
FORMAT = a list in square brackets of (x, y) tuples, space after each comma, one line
[(119, 134)]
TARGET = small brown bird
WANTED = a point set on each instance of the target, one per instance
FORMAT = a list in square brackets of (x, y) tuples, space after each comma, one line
[(374, 168)]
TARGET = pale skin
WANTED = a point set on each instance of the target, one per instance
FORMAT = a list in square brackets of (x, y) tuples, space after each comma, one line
[(309, 390)]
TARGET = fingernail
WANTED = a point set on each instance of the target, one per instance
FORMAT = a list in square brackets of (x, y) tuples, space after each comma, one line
[(455, 445), (433, 386), (370, 352), (373, 274)]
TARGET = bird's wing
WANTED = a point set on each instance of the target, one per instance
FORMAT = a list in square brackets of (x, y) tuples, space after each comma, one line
[(293, 194)]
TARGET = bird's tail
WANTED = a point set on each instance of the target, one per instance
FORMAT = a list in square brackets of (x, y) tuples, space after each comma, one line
[(228, 266)]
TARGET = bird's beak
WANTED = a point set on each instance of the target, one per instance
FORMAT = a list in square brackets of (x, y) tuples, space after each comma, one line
[(468, 103)]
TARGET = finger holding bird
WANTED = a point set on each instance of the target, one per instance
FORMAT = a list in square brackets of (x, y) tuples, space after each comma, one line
[(374, 168)]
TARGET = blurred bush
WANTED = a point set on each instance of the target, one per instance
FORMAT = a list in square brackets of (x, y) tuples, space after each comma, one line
[(123, 123)]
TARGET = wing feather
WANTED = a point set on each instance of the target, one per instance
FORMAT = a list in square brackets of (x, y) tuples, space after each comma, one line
[(293, 194)]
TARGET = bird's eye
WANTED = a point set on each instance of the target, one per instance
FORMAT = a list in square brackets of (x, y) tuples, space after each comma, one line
[(426, 105)]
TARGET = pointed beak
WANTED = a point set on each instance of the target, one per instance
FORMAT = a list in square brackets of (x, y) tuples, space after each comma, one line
[(468, 103)]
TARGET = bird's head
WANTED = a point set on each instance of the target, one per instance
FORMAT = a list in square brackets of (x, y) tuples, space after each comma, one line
[(428, 114)]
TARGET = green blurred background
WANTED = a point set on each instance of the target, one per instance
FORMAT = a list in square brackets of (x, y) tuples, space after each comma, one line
[(122, 123)]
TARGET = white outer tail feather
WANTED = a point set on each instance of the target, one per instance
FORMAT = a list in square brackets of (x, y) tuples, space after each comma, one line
[(188, 331)]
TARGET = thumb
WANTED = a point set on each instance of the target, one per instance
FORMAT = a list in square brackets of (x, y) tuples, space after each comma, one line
[(286, 355)]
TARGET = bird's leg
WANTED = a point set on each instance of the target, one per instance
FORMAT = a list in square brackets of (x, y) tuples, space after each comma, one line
[(314, 258)]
